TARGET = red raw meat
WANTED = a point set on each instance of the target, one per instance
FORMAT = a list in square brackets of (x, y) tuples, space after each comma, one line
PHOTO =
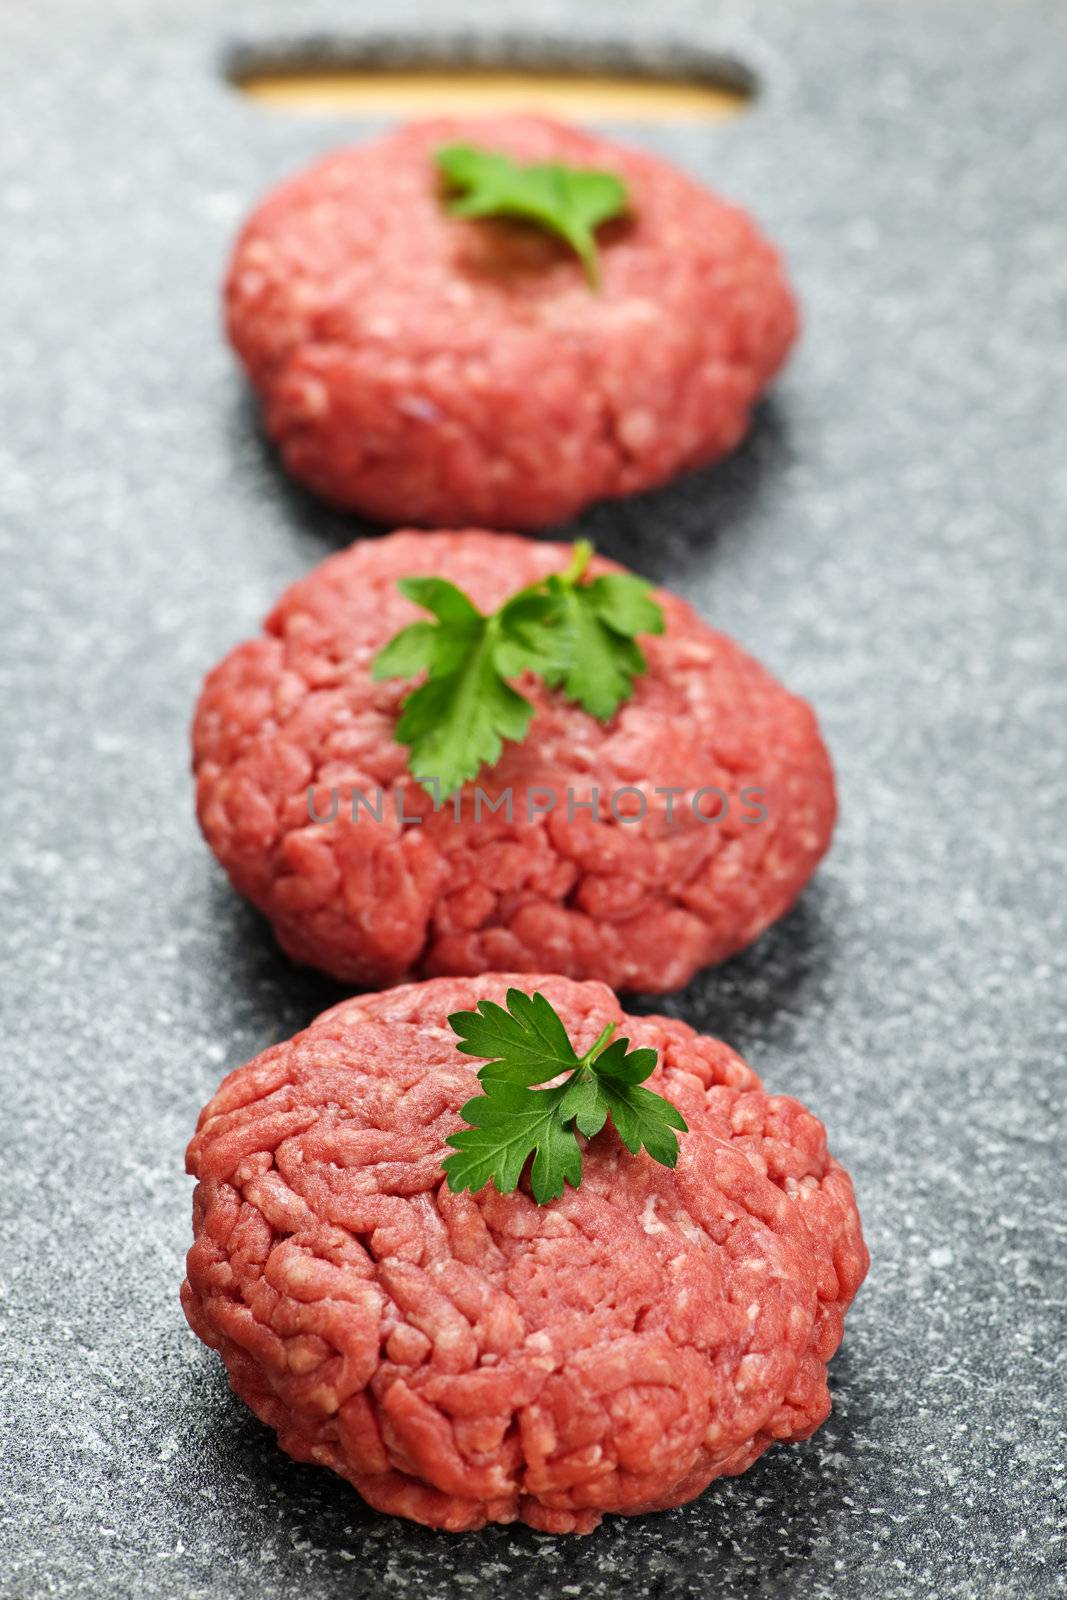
[(464, 1359), (641, 905), (431, 370)]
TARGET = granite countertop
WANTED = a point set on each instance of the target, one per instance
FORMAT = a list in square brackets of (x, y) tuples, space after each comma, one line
[(889, 540)]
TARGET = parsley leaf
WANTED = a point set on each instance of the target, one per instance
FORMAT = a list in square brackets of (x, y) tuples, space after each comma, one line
[(578, 637), (602, 618), (456, 721), (571, 202), (508, 1125), (527, 1041), (528, 1044)]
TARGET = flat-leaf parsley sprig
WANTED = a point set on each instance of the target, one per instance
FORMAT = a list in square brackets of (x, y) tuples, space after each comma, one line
[(577, 636), (528, 1044), (570, 202)]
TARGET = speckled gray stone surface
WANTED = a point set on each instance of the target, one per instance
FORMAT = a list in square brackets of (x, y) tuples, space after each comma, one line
[(891, 540)]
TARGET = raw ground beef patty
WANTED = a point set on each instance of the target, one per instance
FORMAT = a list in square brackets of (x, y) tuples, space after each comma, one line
[(641, 904), (464, 1359), (426, 369)]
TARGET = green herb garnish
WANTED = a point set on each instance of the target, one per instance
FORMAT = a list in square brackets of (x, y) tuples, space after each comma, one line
[(528, 1044), (578, 637), (571, 202)]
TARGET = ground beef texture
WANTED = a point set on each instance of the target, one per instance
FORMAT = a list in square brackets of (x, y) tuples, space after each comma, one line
[(464, 1359), (429, 370), (641, 902)]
